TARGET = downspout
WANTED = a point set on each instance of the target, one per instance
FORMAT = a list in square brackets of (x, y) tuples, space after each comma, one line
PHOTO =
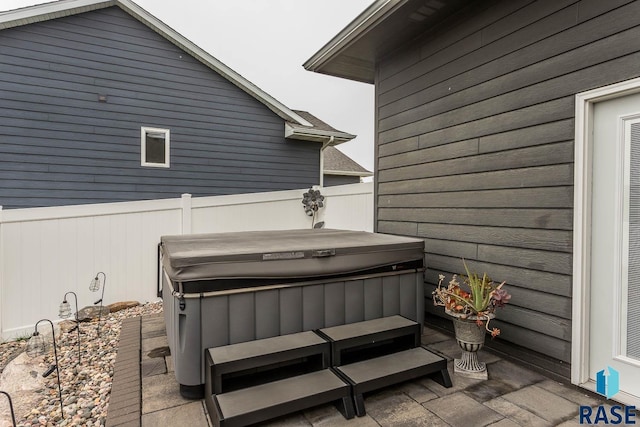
[(324, 145)]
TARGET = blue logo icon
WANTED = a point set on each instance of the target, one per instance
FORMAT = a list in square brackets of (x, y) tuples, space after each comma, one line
[(608, 385)]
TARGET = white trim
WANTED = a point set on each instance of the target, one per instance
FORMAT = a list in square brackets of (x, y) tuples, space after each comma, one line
[(143, 147), (316, 135), (358, 27), (47, 11), (347, 173), (582, 222), (11, 216)]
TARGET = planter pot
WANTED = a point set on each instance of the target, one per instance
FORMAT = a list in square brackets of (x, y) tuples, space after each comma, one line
[(470, 337)]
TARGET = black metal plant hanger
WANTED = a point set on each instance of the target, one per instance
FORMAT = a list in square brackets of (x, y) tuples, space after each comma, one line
[(37, 347)]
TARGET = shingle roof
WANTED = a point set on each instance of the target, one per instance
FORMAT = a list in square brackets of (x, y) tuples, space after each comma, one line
[(316, 122), (338, 163), (320, 131)]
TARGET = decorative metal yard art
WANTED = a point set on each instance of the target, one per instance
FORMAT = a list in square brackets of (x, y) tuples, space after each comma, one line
[(38, 346), (65, 313), (94, 286), (312, 200), (13, 415)]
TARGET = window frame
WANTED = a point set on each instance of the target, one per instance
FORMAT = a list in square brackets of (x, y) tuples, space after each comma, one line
[(144, 130)]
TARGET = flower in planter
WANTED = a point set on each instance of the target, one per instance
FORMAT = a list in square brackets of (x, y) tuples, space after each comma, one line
[(479, 302)]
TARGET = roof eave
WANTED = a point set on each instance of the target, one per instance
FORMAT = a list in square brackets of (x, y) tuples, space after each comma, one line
[(352, 32), (47, 11), (316, 135), (348, 173)]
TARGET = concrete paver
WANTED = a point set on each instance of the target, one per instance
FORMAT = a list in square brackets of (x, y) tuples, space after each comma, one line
[(417, 392), (575, 395), (155, 366), (460, 410), (504, 377), (391, 408), (516, 413), (152, 343), (543, 403), (459, 383), (161, 392), (190, 414), (504, 423), (571, 423), (153, 326), (513, 395), (329, 416), (169, 363), (293, 420)]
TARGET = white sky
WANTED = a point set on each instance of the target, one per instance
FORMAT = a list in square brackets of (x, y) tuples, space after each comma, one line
[(267, 41)]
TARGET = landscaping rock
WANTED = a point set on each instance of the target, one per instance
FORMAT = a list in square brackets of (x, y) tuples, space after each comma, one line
[(86, 383), (122, 305), (67, 325), (88, 313)]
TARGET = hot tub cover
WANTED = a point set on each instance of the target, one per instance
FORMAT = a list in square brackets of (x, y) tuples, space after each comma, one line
[(283, 254)]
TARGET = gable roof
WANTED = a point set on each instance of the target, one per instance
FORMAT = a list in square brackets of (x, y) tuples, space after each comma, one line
[(385, 26), (62, 8), (338, 163)]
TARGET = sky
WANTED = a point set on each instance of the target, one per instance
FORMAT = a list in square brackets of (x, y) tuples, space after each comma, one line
[(267, 41)]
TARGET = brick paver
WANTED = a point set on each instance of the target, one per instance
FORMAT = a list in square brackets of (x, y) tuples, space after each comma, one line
[(125, 402)]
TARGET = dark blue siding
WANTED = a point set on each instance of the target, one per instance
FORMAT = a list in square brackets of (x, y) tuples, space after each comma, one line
[(59, 145)]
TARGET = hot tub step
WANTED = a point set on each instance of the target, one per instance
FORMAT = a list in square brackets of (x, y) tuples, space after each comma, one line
[(373, 374), (270, 400), (293, 353), (363, 340), (380, 352)]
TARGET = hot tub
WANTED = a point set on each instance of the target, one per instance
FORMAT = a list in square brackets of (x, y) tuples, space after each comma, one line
[(226, 288)]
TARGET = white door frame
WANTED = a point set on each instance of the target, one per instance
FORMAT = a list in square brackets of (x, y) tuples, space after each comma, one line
[(582, 225)]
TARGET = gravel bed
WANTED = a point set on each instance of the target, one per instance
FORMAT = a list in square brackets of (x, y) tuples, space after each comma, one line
[(86, 384)]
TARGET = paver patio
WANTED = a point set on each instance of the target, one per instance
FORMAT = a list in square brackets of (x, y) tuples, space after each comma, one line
[(513, 395)]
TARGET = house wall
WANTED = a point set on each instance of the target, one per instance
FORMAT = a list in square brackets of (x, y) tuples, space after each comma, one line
[(61, 146), (331, 180), (475, 140)]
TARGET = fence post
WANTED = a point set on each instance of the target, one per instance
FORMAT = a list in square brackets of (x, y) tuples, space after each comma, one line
[(186, 213)]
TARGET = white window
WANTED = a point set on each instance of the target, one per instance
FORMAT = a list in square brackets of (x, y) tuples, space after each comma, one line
[(154, 147)]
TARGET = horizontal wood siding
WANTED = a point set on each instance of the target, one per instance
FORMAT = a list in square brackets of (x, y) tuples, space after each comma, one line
[(59, 145), (331, 180), (475, 129)]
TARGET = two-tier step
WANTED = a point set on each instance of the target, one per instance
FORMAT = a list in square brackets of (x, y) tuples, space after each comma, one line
[(249, 382), (257, 380), (381, 352)]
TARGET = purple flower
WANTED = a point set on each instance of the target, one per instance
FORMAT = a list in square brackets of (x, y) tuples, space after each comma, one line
[(501, 297)]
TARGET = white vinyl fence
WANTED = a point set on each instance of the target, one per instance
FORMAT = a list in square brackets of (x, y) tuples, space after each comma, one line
[(45, 252)]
